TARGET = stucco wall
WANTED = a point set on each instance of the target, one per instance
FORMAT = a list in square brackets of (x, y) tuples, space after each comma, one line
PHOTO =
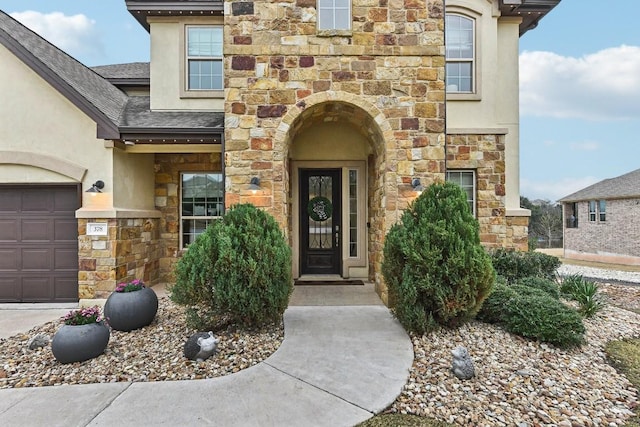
[(35, 118), (496, 103), (168, 62)]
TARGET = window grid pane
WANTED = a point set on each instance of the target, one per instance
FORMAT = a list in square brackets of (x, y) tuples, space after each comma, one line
[(334, 14), (204, 58), (592, 210), (202, 201), (602, 210), (466, 180), (460, 53)]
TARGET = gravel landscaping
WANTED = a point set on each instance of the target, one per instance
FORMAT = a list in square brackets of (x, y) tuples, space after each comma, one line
[(518, 382)]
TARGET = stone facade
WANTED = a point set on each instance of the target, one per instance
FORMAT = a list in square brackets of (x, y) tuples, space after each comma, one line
[(485, 154), (130, 250), (168, 168), (283, 75), (615, 240)]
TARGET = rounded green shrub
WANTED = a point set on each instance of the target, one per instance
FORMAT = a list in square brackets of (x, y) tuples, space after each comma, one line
[(533, 313), (436, 270), (239, 268), (515, 265), (548, 286), (546, 319)]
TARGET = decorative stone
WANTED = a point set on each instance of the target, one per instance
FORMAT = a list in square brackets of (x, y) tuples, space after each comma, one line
[(462, 365), (77, 343), (38, 341), (200, 346), (126, 311)]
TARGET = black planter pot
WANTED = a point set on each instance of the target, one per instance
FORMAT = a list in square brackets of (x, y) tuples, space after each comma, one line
[(77, 343), (126, 311)]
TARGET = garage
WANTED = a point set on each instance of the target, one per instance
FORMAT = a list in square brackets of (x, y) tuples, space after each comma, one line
[(39, 243)]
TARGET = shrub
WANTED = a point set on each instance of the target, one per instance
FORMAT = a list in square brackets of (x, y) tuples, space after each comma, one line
[(585, 292), (239, 268), (531, 312), (435, 268), (548, 286), (514, 265)]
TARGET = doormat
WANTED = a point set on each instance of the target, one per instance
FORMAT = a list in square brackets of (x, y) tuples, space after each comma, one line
[(328, 282)]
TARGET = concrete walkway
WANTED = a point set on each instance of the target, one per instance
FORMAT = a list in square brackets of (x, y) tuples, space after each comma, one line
[(337, 366)]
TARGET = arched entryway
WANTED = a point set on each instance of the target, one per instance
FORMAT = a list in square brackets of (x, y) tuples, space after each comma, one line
[(337, 170)]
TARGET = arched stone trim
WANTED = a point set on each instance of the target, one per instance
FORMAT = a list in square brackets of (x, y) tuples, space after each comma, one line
[(43, 161)]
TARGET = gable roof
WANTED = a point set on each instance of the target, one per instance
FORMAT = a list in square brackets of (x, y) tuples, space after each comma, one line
[(625, 186), (88, 91)]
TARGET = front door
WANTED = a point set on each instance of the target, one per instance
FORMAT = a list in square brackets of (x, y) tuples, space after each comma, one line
[(320, 213)]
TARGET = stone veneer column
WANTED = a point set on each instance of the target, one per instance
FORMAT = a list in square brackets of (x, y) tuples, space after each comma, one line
[(130, 250), (391, 65)]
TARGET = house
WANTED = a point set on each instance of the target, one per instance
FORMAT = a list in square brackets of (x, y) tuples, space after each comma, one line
[(601, 221), (328, 115)]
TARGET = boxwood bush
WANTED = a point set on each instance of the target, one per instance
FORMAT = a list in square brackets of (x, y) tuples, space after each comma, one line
[(239, 268), (436, 270)]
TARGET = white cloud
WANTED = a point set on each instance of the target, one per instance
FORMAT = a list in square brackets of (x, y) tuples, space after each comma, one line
[(601, 86), (585, 146), (75, 34), (554, 190)]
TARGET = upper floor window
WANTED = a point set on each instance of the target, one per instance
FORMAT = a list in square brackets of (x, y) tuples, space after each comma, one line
[(204, 58), (466, 179), (460, 52), (602, 210), (334, 14)]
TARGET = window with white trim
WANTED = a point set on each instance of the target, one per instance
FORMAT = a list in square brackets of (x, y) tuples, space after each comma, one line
[(201, 202), (592, 210), (204, 58), (334, 14), (466, 179), (602, 210), (460, 53)]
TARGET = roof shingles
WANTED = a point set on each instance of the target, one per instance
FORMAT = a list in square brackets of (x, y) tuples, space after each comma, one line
[(625, 186)]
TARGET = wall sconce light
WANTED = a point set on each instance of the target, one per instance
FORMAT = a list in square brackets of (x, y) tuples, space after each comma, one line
[(96, 187), (417, 186), (254, 185)]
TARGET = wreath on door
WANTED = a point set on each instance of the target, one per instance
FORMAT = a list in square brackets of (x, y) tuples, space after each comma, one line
[(319, 209)]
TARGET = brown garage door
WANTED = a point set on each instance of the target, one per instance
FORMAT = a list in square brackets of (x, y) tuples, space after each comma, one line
[(39, 243)]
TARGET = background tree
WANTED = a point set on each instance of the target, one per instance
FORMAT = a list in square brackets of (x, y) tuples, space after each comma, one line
[(545, 224)]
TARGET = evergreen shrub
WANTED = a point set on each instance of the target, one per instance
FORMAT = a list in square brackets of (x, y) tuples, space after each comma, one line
[(435, 268), (546, 285), (514, 265), (532, 313), (239, 268)]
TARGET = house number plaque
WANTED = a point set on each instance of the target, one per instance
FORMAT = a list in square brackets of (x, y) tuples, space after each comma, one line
[(97, 229)]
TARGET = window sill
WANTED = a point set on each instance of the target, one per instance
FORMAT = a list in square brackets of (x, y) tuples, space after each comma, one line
[(458, 96), (195, 94), (334, 33)]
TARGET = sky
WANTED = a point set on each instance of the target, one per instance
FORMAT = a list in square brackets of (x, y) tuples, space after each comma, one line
[(579, 81)]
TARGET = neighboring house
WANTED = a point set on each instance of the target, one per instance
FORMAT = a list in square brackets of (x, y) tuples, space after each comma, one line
[(602, 221), (289, 106)]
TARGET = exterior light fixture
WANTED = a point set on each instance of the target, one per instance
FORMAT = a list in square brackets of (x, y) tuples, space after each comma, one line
[(417, 186), (96, 187), (254, 184)]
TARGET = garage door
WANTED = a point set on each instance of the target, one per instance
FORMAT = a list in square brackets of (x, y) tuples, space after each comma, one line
[(39, 243)]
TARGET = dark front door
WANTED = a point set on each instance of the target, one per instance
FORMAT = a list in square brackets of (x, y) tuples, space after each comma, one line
[(320, 221)]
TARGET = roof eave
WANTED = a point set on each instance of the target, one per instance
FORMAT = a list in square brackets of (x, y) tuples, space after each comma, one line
[(531, 11), (181, 134), (141, 9)]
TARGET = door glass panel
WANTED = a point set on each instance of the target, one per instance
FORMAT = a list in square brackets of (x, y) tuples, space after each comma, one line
[(353, 213), (319, 210)]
